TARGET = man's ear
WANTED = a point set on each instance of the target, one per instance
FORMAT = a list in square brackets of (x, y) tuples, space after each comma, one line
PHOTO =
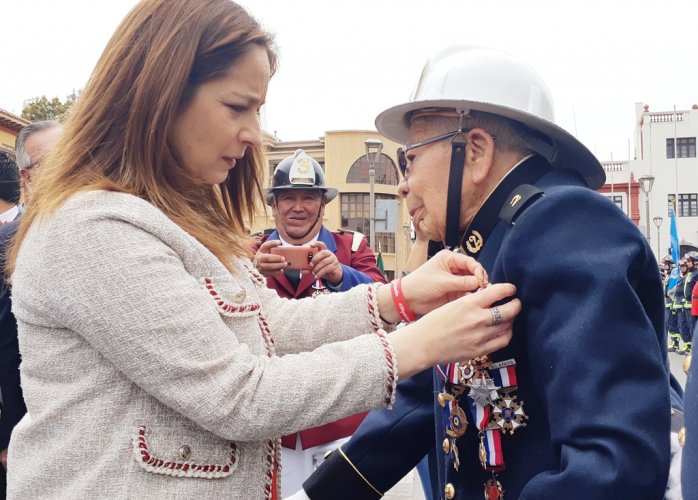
[(479, 154)]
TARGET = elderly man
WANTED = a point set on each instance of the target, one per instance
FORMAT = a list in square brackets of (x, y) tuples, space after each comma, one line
[(578, 405), (31, 145), (298, 196)]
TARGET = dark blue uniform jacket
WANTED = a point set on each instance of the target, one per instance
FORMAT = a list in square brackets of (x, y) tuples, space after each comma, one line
[(590, 350)]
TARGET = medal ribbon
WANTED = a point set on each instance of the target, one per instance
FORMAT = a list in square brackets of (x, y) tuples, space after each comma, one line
[(492, 438), (504, 373)]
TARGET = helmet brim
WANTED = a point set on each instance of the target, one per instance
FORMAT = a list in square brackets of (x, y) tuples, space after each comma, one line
[(330, 193), (394, 124)]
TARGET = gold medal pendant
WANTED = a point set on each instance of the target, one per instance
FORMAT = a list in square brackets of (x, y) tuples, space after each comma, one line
[(456, 457), (457, 421), (482, 451)]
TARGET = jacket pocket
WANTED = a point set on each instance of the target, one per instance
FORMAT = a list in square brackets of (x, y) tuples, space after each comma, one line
[(231, 299), (186, 457)]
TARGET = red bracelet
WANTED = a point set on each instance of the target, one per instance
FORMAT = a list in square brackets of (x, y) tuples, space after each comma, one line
[(399, 301)]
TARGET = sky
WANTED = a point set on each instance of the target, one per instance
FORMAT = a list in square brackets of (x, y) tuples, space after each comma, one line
[(342, 63)]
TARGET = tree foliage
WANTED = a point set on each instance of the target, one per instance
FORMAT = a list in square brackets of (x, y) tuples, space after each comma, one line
[(43, 108)]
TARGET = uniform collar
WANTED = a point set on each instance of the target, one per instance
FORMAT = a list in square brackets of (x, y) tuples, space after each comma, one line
[(528, 171)]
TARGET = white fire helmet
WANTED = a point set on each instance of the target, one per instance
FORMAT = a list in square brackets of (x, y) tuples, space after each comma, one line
[(470, 78)]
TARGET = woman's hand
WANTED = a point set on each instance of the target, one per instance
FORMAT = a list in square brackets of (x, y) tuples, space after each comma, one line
[(463, 329), (441, 279)]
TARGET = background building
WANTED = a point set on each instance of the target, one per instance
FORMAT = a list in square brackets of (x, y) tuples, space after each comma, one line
[(662, 161), (10, 125)]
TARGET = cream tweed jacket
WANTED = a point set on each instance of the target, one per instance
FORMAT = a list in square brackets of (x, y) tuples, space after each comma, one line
[(151, 371)]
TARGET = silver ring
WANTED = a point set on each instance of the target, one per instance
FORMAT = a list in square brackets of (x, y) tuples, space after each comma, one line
[(496, 315)]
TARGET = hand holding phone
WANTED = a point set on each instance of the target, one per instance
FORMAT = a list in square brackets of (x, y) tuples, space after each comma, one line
[(297, 257)]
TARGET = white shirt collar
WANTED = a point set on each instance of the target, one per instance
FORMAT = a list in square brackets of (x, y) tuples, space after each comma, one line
[(9, 215)]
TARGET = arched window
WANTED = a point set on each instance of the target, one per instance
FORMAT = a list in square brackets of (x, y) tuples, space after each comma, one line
[(386, 171)]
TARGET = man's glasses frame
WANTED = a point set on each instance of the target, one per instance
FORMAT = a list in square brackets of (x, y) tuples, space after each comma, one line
[(402, 151)]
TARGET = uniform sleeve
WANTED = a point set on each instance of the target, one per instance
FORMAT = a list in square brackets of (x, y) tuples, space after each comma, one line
[(385, 447), (593, 326), (11, 400), (136, 304)]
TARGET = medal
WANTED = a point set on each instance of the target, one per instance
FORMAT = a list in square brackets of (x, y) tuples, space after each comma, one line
[(493, 489), (482, 451), (457, 421), (320, 288), (482, 390), (509, 414), (456, 458), (465, 373)]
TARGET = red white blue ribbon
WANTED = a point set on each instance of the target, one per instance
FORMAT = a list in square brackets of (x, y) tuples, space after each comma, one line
[(504, 373)]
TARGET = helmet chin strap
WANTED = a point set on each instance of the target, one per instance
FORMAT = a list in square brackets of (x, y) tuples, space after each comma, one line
[(455, 183)]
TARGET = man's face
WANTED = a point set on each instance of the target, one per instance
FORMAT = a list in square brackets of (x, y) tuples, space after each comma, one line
[(426, 182), (298, 213), (37, 146)]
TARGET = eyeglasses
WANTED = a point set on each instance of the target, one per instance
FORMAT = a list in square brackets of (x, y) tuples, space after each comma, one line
[(402, 151), (33, 165)]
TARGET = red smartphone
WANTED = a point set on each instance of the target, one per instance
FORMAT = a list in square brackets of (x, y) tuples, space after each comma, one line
[(299, 257)]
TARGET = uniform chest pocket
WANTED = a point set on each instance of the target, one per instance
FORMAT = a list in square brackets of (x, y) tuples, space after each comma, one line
[(179, 455), (231, 299)]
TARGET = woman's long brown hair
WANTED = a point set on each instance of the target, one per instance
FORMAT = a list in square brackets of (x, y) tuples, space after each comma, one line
[(118, 136)]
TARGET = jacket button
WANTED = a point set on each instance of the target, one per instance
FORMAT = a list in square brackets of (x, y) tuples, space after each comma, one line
[(240, 296), (682, 436), (184, 452), (449, 491)]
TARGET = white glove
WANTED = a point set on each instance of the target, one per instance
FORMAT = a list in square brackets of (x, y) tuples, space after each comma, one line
[(673, 487)]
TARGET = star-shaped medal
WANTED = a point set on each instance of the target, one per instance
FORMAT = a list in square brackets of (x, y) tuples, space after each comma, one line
[(483, 391)]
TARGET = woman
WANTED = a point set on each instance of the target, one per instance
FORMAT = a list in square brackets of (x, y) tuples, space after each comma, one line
[(155, 362)]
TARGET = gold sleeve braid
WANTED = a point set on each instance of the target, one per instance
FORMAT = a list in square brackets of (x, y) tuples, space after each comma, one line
[(359, 473)]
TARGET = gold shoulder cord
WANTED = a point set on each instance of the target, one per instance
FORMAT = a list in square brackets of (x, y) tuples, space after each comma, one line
[(359, 473)]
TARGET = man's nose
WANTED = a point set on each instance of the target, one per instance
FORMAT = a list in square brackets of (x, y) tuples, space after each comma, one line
[(402, 188)]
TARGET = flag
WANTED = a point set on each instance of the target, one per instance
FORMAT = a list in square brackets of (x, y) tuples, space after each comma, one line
[(379, 260), (674, 277)]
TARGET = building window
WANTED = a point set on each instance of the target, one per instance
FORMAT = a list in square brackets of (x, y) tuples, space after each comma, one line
[(685, 147), (688, 204), (386, 172), (617, 199), (356, 217)]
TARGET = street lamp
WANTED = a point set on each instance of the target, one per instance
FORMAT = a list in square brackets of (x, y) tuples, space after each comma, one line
[(646, 182), (373, 152), (658, 222)]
